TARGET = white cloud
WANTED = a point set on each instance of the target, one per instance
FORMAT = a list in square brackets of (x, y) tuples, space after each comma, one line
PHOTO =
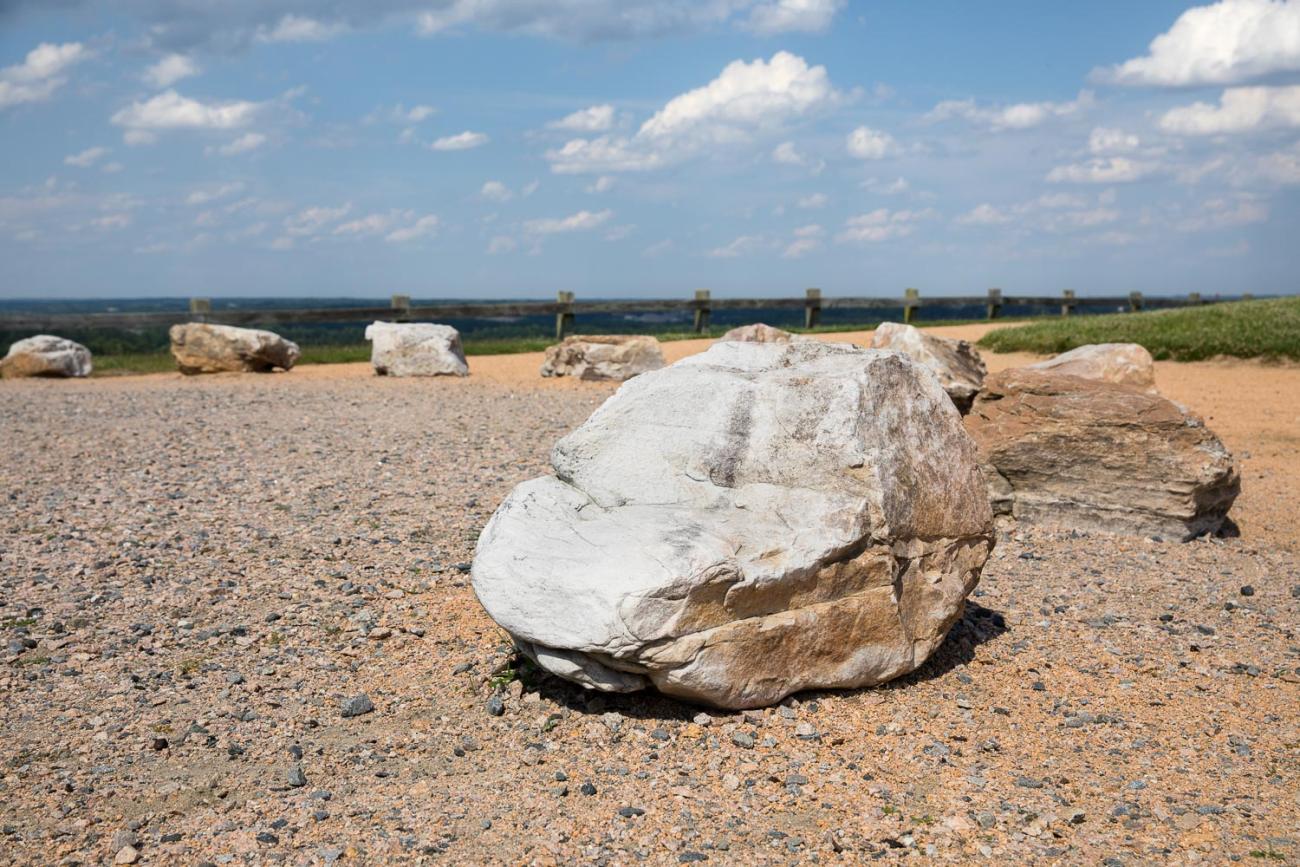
[(657, 249), (745, 100), (418, 113), (501, 244), (814, 201), (112, 168), (211, 194), (1102, 170), (895, 187), (597, 118), (602, 184), (793, 16), (618, 233), (299, 28), (495, 191), (579, 222), (249, 141), (1222, 43), (40, 74), (1104, 140), (170, 111), (870, 144), (983, 215), (421, 228), (111, 222), (800, 247), (1281, 167), (1224, 214), (372, 224), (881, 225), (785, 153), (460, 142), (1240, 109), (741, 246), (86, 158), (1021, 115), (170, 70), (312, 221)]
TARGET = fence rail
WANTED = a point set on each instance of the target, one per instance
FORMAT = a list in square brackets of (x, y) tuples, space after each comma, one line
[(566, 308)]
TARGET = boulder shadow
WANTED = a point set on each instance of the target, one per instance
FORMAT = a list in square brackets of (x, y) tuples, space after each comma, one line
[(976, 626)]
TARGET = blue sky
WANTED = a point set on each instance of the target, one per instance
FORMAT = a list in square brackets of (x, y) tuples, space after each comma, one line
[(485, 148)]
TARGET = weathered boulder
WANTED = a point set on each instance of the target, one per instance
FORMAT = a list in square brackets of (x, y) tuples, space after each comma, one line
[(956, 363), (1095, 455), (1124, 363), (760, 333), (616, 357), (416, 349), (199, 347), (46, 355), (752, 521)]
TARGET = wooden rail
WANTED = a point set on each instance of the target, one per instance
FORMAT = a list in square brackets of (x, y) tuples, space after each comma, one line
[(566, 308)]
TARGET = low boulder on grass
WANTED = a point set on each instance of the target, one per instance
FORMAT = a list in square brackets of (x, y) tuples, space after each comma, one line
[(46, 355), (200, 347), (611, 357), (416, 349)]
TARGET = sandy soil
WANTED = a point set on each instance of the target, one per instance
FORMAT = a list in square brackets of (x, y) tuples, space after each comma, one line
[(197, 575)]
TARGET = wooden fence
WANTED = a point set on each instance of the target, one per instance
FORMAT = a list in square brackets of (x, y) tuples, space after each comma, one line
[(566, 308)]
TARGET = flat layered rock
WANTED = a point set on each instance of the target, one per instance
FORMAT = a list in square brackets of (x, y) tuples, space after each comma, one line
[(1123, 363), (200, 347), (1094, 455), (760, 333), (614, 357), (750, 522), (956, 363), (416, 349), (46, 355)]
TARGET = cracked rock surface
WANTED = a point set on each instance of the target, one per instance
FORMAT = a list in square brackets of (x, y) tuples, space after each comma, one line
[(200, 347), (753, 521), (957, 363), (603, 357)]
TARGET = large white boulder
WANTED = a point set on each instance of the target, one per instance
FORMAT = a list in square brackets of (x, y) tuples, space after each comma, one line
[(1122, 363), (957, 363), (747, 523), (616, 357), (200, 347), (46, 355), (416, 349)]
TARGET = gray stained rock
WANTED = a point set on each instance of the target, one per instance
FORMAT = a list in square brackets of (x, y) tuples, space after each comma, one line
[(750, 522), (1122, 363), (1095, 455), (46, 355), (615, 357), (200, 347), (956, 363), (416, 349)]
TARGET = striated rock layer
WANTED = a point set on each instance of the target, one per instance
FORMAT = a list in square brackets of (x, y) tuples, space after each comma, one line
[(750, 522), (199, 347), (956, 363), (1096, 455)]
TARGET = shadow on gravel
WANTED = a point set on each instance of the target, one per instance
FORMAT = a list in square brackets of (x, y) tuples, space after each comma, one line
[(976, 626)]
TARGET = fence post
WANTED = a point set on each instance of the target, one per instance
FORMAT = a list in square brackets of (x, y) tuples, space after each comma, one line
[(564, 316), (200, 308), (911, 300), (401, 305), (995, 303), (702, 311), (1067, 302), (812, 308), (1194, 298), (1134, 301)]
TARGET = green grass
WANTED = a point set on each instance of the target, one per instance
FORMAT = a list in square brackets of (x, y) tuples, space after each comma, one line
[(1242, 329), (133, 362)]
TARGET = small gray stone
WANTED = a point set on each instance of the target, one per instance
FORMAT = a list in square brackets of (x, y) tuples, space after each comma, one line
[(357, 706), (296, 777)]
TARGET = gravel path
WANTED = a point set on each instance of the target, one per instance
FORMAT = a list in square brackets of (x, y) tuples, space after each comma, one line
[(201, 578)]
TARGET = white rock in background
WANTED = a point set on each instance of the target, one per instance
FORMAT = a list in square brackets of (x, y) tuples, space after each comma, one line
[(200, 347), (956, 362), (750, 522), (1122, 363), (416, 349), (615, 357), (761, 333), (46, 355)]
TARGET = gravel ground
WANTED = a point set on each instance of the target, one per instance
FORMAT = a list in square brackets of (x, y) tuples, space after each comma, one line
[(200, 579)]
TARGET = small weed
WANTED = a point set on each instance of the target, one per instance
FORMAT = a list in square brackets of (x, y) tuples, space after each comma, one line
[(18, 622)]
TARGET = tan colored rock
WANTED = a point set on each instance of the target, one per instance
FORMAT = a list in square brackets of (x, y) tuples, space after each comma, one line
[(200, 347), (1095, 455), (46, 355), (1123, 363), (760, 333), (614, 357), (747, 523), (956, 363)]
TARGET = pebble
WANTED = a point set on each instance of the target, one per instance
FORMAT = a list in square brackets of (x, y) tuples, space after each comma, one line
[(495, 706), (744, 740), (296, 778), (358, 705)]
